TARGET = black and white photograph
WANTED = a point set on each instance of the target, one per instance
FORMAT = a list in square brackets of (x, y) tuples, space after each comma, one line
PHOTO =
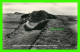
[(33, 26)]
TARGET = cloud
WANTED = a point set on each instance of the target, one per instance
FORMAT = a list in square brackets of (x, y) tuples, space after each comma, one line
[(53, 8)]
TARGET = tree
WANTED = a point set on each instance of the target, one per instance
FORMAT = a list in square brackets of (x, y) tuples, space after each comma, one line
[(37, 16)]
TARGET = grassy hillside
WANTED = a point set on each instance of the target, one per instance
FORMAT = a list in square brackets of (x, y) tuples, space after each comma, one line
[(21, 37)]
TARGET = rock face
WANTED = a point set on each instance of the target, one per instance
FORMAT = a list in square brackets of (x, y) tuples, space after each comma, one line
[(42, 39)]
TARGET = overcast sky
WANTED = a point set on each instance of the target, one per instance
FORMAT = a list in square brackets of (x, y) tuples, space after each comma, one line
[(53, 8)]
